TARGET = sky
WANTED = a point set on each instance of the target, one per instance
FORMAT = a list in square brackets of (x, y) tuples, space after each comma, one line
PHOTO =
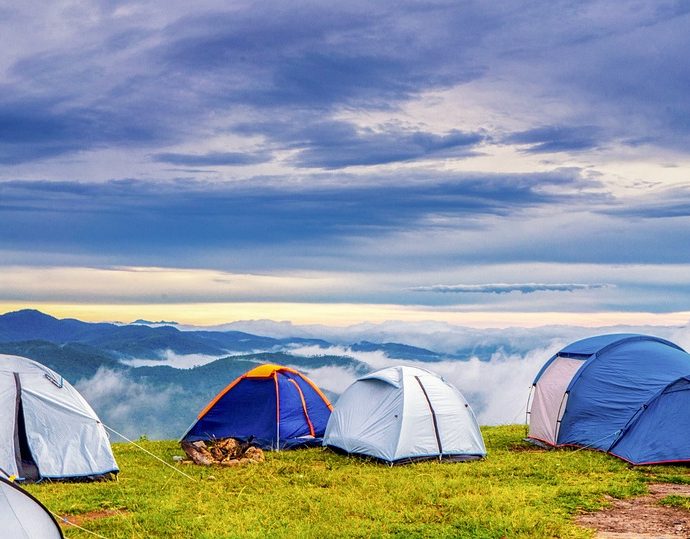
[(479, 163)]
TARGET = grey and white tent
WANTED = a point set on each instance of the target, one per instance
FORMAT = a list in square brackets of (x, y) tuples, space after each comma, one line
[(402, 414), (23, 517), (47, 429)]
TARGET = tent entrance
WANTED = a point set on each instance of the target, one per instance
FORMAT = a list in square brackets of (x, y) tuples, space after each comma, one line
[(26, 464), (549, 395)]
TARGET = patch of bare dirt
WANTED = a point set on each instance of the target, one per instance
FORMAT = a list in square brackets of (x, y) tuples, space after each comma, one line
[(82, 518), (641, 517)]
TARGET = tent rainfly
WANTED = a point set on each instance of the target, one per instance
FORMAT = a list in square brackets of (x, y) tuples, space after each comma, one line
[(23, 517), (275, 407), (403, 414), (626, 394), (47, 429)]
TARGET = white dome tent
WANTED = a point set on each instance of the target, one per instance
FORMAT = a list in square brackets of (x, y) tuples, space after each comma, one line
[(403, 414), (23, 517), (47, 429)]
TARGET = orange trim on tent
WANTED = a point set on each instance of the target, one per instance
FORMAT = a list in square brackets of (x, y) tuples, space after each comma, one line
[(262, 371), (315, 388), (304, 408), (268, 370), (220, 396)]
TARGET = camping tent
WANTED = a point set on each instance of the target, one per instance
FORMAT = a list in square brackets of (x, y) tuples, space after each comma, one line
[(23, 517), (47, 429), (276, 407), (400, 414), (625, 394)]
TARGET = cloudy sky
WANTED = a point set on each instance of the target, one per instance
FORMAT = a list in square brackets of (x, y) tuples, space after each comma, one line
[(511, 163)]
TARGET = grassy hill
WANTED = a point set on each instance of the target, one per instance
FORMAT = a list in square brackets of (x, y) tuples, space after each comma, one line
[(518, 491)]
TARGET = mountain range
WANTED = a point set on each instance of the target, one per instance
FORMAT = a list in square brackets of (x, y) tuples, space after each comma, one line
[(125, 372)]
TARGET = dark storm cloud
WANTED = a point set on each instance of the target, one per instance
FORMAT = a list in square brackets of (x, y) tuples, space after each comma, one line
[(131, 217), (667, 203), (339, 144), (557, 138), (318, 56), (127, 82), (212, 159), (157, 86), (331, 86)]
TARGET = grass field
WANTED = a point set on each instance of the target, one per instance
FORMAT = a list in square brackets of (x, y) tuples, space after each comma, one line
[(518, 491)]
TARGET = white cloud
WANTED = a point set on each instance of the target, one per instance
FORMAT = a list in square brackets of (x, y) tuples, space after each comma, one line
[(333, 379), (176, 361), (495, 380), (130, 407), (496, 389)]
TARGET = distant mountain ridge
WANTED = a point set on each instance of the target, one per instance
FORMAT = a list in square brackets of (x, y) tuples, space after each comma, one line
[(143, 341), (160, 400), (133, 340)]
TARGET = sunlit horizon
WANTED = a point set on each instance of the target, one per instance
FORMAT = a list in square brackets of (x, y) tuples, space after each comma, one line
[(339, 315)]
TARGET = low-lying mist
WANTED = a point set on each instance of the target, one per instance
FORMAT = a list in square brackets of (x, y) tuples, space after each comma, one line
[(494, 369)]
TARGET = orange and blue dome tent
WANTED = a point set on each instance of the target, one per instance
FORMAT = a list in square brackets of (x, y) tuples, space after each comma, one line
[(275, 407)]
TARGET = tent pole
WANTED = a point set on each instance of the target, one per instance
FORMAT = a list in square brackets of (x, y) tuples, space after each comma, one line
[(275, 380)]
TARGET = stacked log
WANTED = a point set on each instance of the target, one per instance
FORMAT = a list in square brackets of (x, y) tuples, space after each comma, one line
[(226, 452)]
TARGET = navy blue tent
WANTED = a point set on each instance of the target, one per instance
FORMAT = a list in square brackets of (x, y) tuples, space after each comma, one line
[(276, 407), (626, 394)]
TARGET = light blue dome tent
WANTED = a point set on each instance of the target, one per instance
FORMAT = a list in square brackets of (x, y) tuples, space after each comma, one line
[(404, 414), (47, 429), (626, 394), (24, 517)]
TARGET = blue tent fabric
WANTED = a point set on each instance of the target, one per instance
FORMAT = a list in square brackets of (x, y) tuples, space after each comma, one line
[(662, 432), (292, 389), (592, 345), (248, 410), (627, 397), (277, 407)]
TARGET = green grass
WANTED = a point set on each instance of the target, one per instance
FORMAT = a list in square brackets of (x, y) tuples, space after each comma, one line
[(676, 501), (518, 491)]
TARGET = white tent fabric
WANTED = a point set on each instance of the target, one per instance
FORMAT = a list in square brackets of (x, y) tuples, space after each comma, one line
[(24, 517), (548, 399), (404, 413), (64, 435)]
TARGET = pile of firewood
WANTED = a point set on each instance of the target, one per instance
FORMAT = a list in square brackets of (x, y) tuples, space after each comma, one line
[(226, 452)]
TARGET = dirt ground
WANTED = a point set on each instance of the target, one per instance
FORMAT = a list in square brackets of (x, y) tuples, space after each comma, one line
[(641, 517), (79, 520)]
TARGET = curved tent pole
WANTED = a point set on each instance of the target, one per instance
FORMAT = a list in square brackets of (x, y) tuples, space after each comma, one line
[(275, 380), (638, 413), (559, 417), (615, 344), (433, 418), (528, 406), (304, 407)]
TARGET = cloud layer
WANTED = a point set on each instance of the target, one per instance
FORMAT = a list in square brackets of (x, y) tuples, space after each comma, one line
[(503, 288), (404, 138), (494, 368)]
